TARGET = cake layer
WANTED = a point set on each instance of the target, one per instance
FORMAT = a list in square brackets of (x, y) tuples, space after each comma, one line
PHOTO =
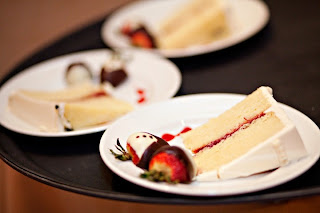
[(71, 93), (198, 22), (278, 150), (94, 111), (212, 158), (229, 121)]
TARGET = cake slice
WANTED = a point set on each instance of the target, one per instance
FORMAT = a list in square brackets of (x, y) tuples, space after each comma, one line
[(197, 22), (253, 136), (72, 108)]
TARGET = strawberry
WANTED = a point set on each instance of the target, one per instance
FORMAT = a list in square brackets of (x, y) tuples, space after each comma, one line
[(134, 157), (170, 164), (138, 34), (140, 147), (126, 29), (140, 38)]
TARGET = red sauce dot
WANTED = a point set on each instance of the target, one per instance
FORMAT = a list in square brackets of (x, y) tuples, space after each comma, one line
[(167, 137), (141, 96), (141, 100), (140, 91), (186, 129)]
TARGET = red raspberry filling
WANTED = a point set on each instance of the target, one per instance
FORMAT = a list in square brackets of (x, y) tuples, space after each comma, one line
[(215, 142)]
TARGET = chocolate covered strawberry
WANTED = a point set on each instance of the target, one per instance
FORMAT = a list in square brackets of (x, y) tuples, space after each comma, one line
[(78, 72), (170, 164), (141, 38), (140, 147), (113, 71), (138, 34)]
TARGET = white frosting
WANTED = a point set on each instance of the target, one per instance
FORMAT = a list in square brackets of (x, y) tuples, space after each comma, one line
[(140, 141), (60, 111), (41, 114), (78, 74)]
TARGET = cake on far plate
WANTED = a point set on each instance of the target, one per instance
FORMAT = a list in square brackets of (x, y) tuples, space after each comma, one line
[(254, 136), (75, 107), (196, 22)]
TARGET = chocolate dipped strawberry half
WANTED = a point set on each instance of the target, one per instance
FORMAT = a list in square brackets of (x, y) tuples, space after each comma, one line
[(140, 147), (139, 34), (171, 164)]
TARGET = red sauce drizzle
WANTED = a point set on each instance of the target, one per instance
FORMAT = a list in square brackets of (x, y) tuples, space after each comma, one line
[(215, 142), (141, 96), (169, 137), (93, 95), (97, 94)]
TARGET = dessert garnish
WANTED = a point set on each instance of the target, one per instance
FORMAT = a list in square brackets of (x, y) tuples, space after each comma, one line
[(160, 161), (113, 71), (124, 156), (138, 34), (141, 96), (140, 146), (170, 164), (77, 73), (169, 137)]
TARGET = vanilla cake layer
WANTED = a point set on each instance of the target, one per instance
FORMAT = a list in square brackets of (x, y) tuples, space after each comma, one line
[(212, 158), (229, 121), (95, 111), (197, 22), (279, 150), (71, 93)]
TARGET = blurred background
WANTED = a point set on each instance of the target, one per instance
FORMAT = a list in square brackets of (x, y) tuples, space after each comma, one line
[(27, 26)]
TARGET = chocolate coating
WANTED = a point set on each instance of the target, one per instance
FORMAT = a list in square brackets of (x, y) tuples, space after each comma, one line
[(114, 77), (146, 157), (181, 155), (74, 75)]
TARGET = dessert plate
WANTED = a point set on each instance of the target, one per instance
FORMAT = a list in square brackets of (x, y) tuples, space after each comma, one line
[(157, 77), (173, 115), (245, 18)]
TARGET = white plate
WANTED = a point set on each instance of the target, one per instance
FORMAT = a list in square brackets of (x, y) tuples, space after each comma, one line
[(245, 18), (173, 115), (158, 77)]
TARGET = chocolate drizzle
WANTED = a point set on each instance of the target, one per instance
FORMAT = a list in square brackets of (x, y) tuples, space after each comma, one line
[(114, 77)]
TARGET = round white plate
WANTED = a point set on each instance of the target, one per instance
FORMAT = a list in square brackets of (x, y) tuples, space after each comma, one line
[(193, 110), (159, 78), (245, 18)]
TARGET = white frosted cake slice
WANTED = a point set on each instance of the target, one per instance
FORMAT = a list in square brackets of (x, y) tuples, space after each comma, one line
[(197, 22), (253, 136), (72, 108)]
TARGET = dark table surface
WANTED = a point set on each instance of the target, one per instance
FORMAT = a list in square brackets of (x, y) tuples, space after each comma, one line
[(284, 55)]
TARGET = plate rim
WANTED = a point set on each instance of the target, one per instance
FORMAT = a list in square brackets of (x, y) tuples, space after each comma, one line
[(196, 50), (167, 188), (7, 83)]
